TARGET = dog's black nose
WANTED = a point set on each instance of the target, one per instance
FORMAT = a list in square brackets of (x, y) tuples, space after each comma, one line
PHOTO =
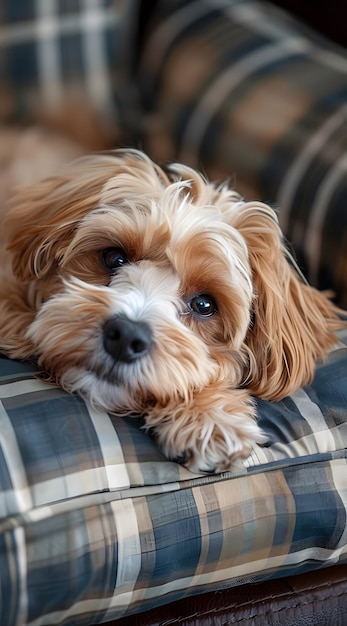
[(126, 340)]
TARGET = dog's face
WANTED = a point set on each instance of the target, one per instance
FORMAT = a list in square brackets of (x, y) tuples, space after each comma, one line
[(147, 294), (150, 295)]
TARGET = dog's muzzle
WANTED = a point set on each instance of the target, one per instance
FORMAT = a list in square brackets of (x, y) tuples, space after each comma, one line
[(126, 340)]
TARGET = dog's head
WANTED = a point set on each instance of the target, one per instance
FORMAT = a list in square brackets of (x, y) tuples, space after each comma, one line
[(145, 287), (158, 280)]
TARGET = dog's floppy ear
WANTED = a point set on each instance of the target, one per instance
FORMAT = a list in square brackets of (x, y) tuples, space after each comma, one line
[(42, 218), (293, 323)]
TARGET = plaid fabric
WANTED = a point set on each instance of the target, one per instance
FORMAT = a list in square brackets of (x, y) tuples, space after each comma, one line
[(54, 51), (96, 524), (238, 89), (234, 87)]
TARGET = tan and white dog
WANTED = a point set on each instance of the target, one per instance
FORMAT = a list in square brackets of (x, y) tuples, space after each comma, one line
[(158, 293)]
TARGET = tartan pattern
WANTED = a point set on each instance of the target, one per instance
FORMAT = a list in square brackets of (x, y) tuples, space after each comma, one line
[(54, 51), (234, 87), (239, 89), (96, 524)]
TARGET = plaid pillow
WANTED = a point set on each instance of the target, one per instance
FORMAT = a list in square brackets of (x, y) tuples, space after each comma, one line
[(96, 524)]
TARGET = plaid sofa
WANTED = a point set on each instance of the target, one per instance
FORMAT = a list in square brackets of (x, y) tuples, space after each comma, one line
[(95, 524)]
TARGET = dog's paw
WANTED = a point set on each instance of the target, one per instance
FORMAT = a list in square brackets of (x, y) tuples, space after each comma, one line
[(210, 441), (218, 448)]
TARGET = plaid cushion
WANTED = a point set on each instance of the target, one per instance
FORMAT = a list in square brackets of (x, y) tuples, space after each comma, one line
[(238, 89), (96, 524)]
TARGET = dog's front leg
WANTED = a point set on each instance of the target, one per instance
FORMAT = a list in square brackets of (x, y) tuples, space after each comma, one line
[(211, 432)]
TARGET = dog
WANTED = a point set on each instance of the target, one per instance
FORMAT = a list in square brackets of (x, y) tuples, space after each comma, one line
[(157, 293)]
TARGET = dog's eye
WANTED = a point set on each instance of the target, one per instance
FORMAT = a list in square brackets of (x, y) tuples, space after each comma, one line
[(114, 258), (203, 304)]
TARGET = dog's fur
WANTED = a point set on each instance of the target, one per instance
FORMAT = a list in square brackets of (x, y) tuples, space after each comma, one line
[(202, 295)]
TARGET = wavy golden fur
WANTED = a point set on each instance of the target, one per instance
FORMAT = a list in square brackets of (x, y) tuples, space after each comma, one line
[(200, 279)]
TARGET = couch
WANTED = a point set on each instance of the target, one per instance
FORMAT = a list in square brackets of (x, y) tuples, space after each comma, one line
[(96, 525)]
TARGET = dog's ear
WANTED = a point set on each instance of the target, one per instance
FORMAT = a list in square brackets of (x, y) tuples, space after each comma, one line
[(42, 218), (293, 324)]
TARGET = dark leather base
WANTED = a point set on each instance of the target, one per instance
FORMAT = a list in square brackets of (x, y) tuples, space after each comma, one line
[(314, 599)]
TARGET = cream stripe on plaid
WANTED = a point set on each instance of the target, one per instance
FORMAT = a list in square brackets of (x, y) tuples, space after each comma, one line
[(18, 568), (95, 18), (91, 23), (19, 498), (311, 412), (115, 467), (22, 387), (48, 52)]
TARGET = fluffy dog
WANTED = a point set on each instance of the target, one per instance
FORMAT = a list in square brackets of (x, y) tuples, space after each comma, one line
[(159, 293)]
